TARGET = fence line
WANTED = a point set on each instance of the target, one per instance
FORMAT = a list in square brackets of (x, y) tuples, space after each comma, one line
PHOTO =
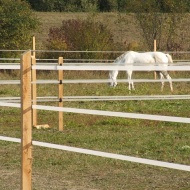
[(91, 60), (10, 67), (65, 51), (104, 154), (99, 98), (115, 114), (102, 67), (6, 104), (84, 81), (26, 108), (108, 68)]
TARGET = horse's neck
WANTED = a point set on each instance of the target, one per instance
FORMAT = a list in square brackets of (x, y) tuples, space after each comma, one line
[(120, 59)]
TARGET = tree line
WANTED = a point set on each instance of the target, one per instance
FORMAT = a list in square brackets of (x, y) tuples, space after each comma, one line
[(127, 6), (18, 22)]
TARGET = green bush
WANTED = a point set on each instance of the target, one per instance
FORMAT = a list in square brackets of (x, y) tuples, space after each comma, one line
[(81, 35)]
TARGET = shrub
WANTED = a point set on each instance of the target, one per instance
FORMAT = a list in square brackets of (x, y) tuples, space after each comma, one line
[(81, 35)]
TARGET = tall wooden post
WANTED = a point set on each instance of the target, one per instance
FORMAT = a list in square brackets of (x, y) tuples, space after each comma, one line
[(26, 122), (34, 111), (34, 46), (154, 45), (154, 50), (60, 96)]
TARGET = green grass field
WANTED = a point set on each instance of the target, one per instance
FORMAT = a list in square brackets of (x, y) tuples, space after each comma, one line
[(54, 169), (61, 170)]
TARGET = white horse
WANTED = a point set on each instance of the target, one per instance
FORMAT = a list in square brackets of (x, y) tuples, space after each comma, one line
[(130, 58)]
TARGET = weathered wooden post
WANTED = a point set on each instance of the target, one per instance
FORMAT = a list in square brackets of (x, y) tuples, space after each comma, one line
[(154, 50), (34, 46), (60, 96), (34, 91), (26, 122), (154, 45), (34, 111)]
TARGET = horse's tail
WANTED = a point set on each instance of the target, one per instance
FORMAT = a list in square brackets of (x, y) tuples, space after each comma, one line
[(169, 58)]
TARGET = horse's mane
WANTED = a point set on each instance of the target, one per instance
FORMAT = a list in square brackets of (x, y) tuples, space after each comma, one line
[(121, 56)]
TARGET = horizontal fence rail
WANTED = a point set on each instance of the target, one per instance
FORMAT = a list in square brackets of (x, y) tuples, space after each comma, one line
[(85, 81), (104, 154), (10, 67), (108, 68), (6, 104), (99, 98), (103, 67), (114, 114)]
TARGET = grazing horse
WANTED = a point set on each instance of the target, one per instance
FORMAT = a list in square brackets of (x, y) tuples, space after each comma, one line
[(130, 58)]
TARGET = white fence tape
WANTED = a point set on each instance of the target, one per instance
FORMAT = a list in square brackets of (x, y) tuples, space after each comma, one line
[(115, 114), (104, 154), (6, 104), (12, 67), (85, 81), (102, 67), (108, 68), (100, 98)]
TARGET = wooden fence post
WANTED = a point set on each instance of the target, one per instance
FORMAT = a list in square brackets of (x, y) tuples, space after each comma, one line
[(154, 45), (26, 122), (34, 46), (34, 111), (154, 50), (60, 96)]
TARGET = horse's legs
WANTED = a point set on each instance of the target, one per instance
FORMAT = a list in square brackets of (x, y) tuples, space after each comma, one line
[(131, 84), (165, 73), (161, 78), (113, 77), (170, 81)]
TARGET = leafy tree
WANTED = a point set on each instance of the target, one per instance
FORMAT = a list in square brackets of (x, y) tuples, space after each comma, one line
[(164, 6), (62, 5), (164, 27), (43, 5), (17, 23), (160, 6), (107, 5)]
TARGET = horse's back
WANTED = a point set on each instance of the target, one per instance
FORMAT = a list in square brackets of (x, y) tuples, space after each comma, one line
[(158, 57), (161, 57), (131, 57), (144, 57)]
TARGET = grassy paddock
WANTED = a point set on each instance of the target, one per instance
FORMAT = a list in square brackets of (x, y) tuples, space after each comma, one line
[(53, 169)]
